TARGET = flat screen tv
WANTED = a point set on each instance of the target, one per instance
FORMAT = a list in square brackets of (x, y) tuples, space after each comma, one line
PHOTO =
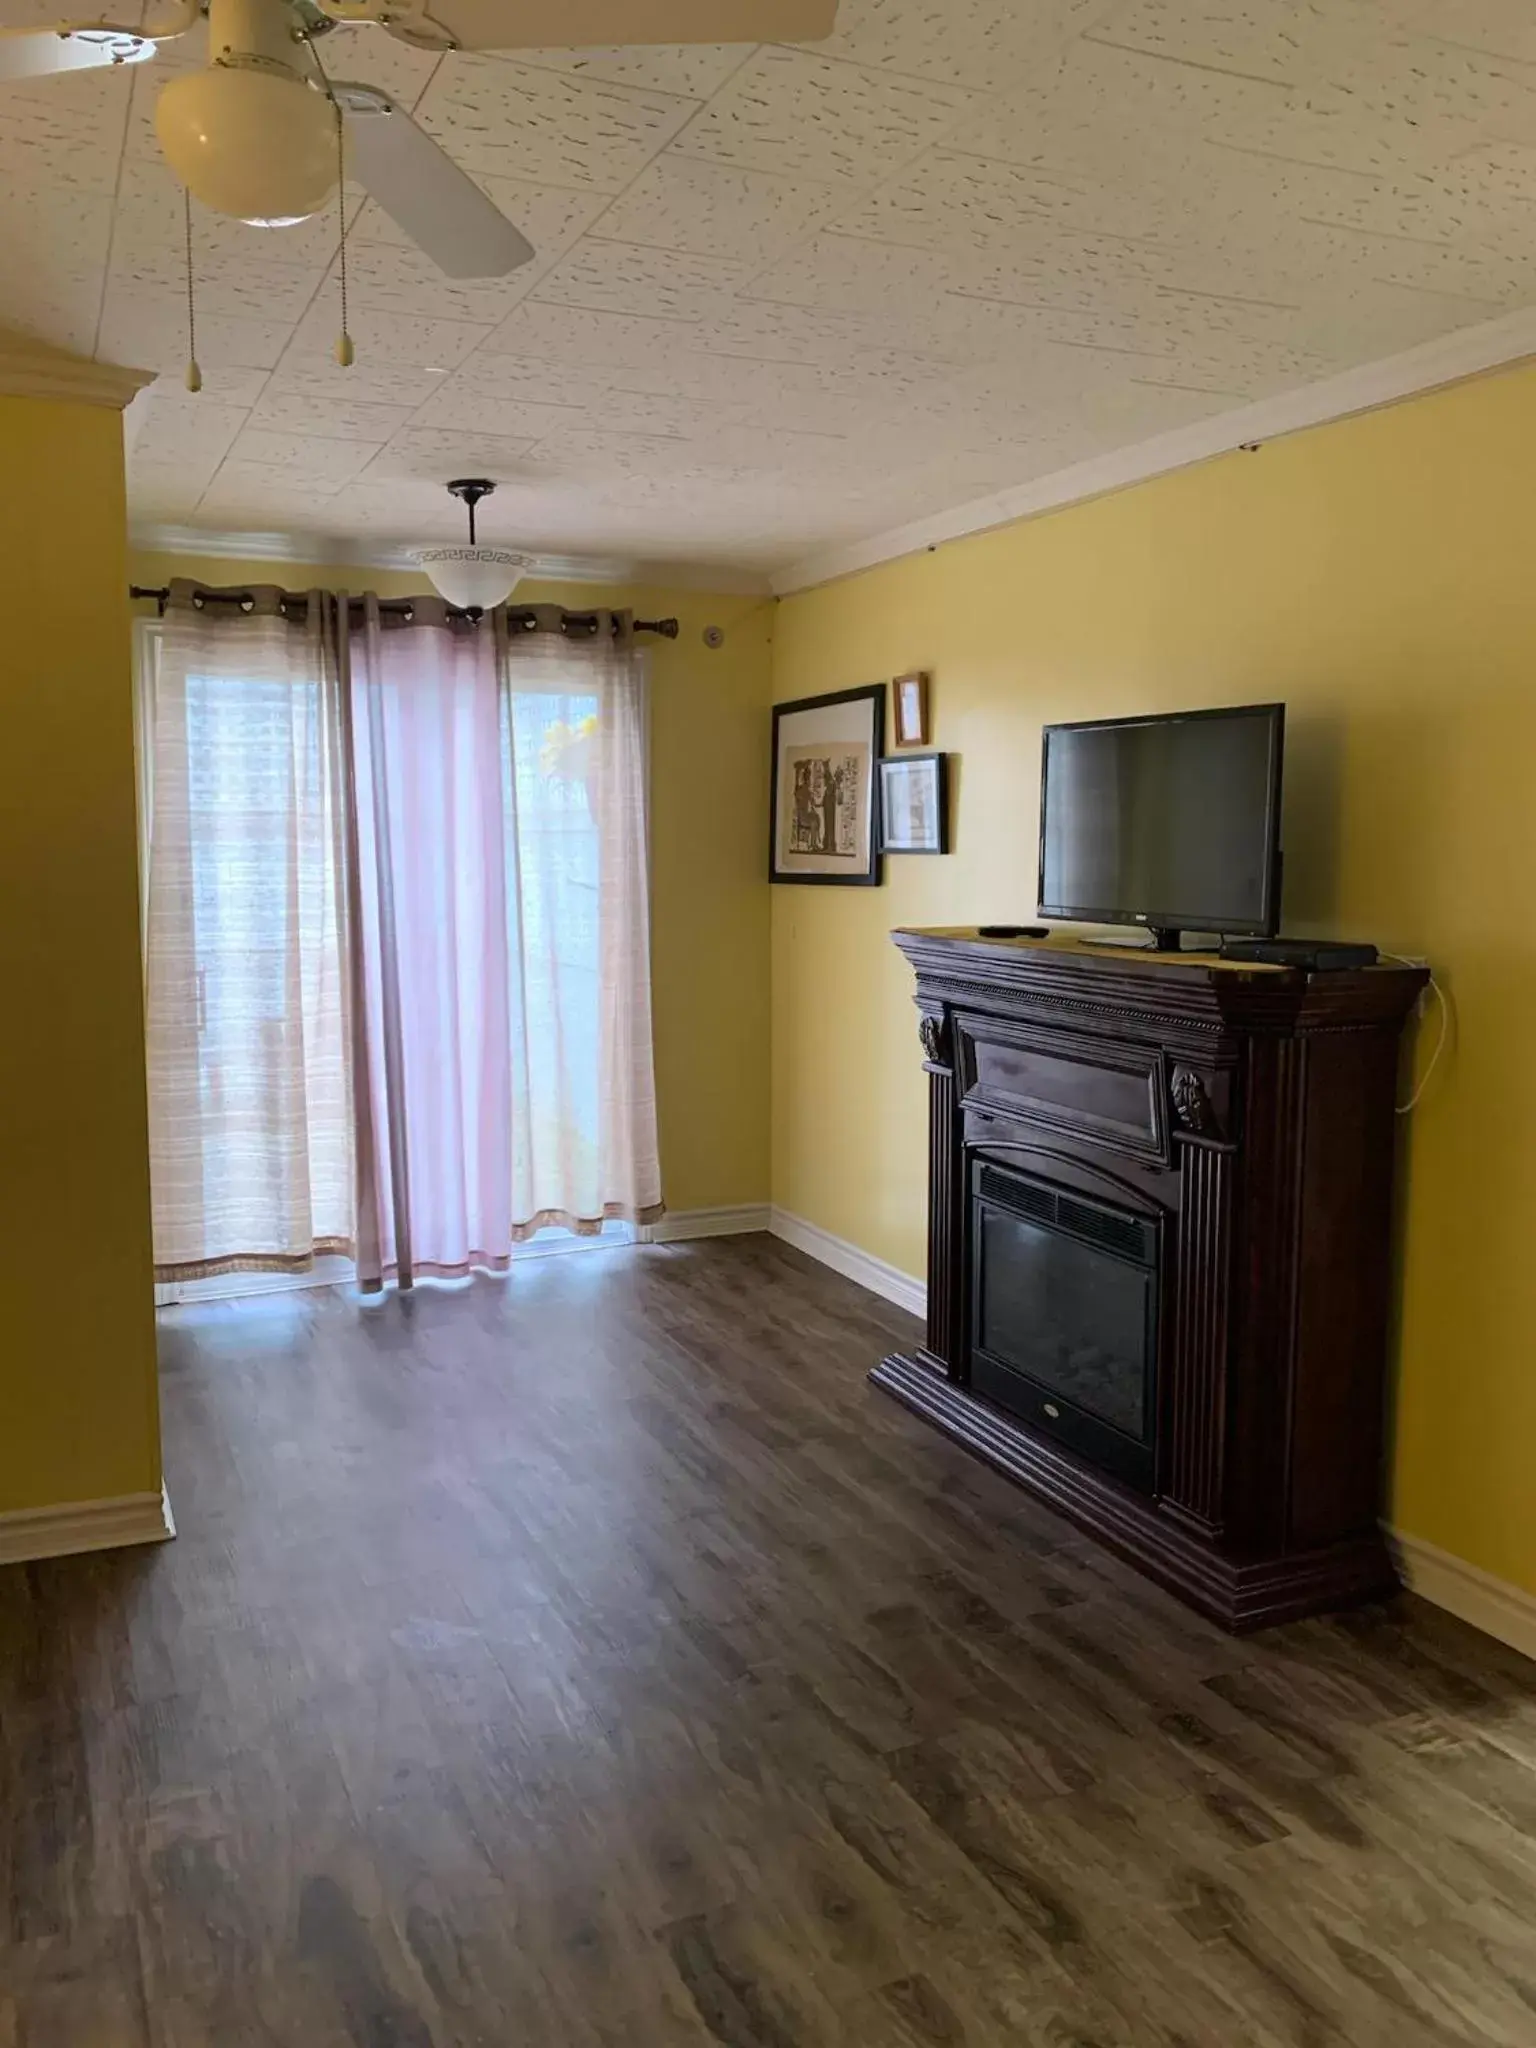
[(1171, 822)]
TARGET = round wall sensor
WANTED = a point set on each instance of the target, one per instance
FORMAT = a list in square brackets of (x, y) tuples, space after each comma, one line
[(714, 636)]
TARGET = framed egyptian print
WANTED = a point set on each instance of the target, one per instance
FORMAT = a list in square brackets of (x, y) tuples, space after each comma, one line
[(824, 821)]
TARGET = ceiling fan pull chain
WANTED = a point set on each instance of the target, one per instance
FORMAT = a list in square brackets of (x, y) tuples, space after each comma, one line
[(194, 374), (345, 354)]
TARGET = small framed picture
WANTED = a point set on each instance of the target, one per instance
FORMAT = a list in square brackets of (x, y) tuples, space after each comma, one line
[(911, 694), (914, 804), (825, 803)]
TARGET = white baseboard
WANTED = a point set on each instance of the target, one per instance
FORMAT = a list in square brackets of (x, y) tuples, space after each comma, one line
[(78, 1525), (860, 1266), (1465, 1590), (680, 1224)]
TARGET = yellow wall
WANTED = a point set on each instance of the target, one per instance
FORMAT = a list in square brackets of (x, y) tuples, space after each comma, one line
[(709, 940), (79, 1418), (1379, 575)]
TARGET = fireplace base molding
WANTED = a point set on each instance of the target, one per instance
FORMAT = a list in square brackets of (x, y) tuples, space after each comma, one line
[(1227, 1130), (1240, 1595)]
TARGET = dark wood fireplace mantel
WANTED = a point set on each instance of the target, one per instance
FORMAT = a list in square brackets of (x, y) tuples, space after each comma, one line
[(1247, 1112)]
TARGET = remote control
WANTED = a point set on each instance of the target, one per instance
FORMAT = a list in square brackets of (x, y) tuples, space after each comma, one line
[(1013, 931)]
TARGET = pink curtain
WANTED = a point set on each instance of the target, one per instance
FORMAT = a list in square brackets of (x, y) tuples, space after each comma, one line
[(500, 943)]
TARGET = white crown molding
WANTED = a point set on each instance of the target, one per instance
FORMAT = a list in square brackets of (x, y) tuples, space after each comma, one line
[(30, 369), (337, 550), (78, 1525), (1469, 352), (889, 1282), (1465, 1590)]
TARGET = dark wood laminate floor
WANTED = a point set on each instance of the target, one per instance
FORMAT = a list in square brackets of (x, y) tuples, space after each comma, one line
[(592, 1658)]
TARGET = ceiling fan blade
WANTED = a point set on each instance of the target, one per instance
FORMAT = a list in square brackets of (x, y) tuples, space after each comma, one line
[(423, 190), (45, 51), (573, 24)]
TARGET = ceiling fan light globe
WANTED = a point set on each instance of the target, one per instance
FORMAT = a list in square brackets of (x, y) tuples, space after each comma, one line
[(251, 144), (474, 577)]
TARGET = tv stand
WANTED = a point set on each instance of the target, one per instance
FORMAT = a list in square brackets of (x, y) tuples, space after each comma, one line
[(1232, 1125)]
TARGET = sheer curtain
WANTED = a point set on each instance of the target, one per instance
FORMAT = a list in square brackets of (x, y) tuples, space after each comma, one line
[(502, 942), (410, 1014), (247, 1024)]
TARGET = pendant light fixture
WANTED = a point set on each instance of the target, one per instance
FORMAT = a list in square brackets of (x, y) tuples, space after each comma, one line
[(478, 578)]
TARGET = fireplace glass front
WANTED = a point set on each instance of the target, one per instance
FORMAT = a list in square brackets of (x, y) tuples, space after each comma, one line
[(1064, 1316)]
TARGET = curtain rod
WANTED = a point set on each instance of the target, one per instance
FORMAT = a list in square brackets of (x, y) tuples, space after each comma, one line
[(526, 615)]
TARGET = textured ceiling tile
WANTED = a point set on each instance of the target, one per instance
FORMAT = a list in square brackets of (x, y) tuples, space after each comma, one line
[(1293, 41), (1500, 28), (229, 286), (151, 229), (1433, 83), (340, 418), (148, 328), (310, 457), (384, 277), (1324, 126), (51, 306), (321, 378), (643, 412), (1080, 272), (1488, 276), (383, 340), (732, 381), (663, 284), (69, 232), (250, 493), (506, 120), (1478, 197), (223, 384), (807, 334), (953, 201), (570, 334), (695, 71), (530, 379), (406, 507), (468, 408), (711, 209), (980, 43), (1374, 320), (365, 54), (164, 491), (842, 274), (434, 454), (806, 116), (980, 203), (1095, 103), (579, 451), (64, 132), (986, 247), (186, 476), (552, 218), (178, 426)]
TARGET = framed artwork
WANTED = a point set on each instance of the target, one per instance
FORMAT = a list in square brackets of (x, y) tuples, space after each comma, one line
[(823, 824), (911, 694), (914, 804)]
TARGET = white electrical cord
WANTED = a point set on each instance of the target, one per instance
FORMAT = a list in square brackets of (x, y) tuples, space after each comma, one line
[(1407, 1108)]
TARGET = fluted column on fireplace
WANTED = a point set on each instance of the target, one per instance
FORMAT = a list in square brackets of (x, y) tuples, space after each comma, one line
[(945, 1198)]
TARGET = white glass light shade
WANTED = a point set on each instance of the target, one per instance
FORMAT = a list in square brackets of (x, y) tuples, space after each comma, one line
[(473, 576), (249, 143)]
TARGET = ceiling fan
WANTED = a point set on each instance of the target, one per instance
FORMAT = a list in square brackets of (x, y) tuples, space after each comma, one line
[(255, 133)]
